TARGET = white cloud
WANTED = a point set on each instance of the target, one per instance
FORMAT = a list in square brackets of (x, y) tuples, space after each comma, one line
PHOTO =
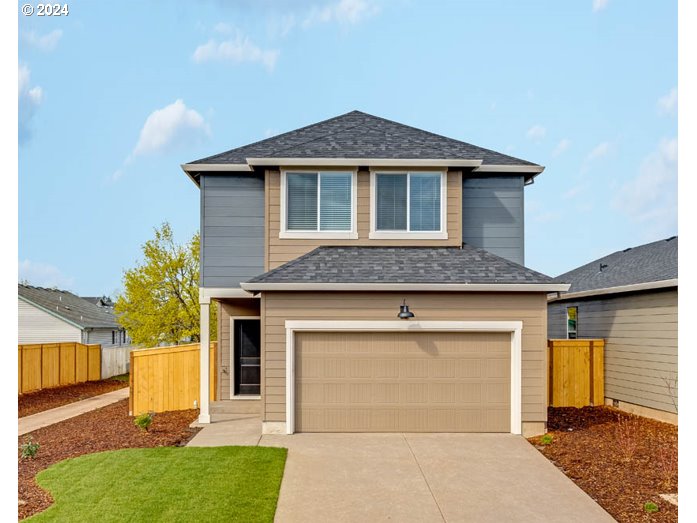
[(562, 146), (268, 133), (43, 275), (650, 199), (668, 104), (29, 99), (238, 49), (536, 133), (599, 151), (222, 28), (47, 42), (573, 192), (343, 12), (599, 5), (170, 126)]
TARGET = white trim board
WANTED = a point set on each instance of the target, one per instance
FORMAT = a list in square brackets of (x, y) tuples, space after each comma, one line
[(662, 284), (514, 327), (205, 294), (407, 287)]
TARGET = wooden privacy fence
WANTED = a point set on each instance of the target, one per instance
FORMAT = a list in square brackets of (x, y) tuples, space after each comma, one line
[(46, 365), (576, 372), (167, 378)]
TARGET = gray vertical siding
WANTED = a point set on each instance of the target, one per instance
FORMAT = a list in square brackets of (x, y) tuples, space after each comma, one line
[(232, 228), (492, 215), (641, 342)]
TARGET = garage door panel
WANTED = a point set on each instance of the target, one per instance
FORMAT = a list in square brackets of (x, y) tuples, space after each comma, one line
[(402, 382)]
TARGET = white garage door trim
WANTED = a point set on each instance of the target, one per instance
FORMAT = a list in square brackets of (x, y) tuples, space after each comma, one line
[(514, 327)]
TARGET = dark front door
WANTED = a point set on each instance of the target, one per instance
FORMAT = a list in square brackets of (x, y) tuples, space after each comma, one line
[(247, 356)]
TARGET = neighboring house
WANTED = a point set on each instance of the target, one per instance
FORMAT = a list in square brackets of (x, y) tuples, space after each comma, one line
[(102, 301), (311, 243), (629, 298), (53, 315)]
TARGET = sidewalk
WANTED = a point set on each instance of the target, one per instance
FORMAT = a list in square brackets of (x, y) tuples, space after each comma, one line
[(49, 417)]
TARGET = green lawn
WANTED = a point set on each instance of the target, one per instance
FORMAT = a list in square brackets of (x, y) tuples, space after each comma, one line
[(121, 377), (166, 484)]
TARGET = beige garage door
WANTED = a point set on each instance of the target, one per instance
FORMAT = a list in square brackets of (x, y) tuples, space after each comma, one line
[(402, 382)]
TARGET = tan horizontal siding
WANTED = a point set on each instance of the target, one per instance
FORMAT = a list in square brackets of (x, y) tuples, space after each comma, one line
[(641, 349), (277, 307), (281, 250), (226, 309)]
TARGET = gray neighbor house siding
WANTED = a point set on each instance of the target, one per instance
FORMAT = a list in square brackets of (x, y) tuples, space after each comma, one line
[(232, 228), (493, 217), (641, 342)]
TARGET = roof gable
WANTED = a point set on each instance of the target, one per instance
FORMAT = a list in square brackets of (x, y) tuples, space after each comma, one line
[(360, 135)]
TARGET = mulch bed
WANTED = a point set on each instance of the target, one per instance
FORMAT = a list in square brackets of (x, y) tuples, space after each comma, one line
[(108, 428), (45, 399), (621, 461)]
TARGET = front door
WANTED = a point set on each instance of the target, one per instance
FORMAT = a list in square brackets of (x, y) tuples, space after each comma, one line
[(247, 356)]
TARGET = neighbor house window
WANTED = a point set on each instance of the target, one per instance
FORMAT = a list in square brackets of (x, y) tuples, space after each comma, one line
[(572, 323), (408, 202), (319, 202)]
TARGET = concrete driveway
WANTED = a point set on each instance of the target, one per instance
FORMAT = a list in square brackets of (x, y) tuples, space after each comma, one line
[(424, 477)]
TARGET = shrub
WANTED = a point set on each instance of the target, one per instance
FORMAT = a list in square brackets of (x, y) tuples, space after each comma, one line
[(650, 506), (666, 464), (143, 421), (626, 435), (29, 448), (546, 439)]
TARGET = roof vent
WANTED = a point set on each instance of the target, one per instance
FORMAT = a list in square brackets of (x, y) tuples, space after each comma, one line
[(671, 238), (627, 249), (603, 266)]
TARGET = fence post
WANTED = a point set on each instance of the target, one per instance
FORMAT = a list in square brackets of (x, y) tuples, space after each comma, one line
[(592, 371), (550, 372), (21, 357), (131, 372)]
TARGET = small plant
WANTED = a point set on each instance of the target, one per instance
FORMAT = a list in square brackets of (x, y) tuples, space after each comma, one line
[(650, 507), (546, 439), (29, 448), (666, 464), (626, 435), (143, 421)]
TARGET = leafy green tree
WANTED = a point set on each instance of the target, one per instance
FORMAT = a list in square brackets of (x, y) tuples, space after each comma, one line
[(159, 304)]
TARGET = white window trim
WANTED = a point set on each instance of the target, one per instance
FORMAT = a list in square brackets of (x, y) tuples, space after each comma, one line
[(410, 235), (284, 233), (514, 327)]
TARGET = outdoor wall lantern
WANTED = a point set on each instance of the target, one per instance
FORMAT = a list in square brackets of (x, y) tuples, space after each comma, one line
[(404, 313)]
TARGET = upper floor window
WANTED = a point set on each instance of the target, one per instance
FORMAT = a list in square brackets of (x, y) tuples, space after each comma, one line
[(318, 204), (408, 205)]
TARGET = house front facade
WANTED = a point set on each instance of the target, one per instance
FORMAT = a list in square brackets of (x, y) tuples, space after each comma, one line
[(369, 277)]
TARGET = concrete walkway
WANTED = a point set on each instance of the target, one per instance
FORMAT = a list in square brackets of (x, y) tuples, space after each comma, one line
[(413, 477), (49, 417)]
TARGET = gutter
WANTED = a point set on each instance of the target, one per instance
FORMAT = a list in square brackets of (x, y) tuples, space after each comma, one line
[(662, 284), (408, 287)]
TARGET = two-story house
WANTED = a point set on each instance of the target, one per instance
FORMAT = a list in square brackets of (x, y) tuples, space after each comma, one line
[(369, 277)]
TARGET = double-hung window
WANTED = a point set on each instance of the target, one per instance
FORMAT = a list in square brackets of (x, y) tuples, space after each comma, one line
[(408, 204), (318, 204)]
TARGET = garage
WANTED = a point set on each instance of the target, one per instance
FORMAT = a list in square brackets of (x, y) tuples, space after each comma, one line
[(400, 381)]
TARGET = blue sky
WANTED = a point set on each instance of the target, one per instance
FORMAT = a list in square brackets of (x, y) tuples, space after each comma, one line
[(115, 96)]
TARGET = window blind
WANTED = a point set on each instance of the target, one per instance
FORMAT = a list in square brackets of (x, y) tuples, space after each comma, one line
[(391, 212), (424, 202), (301, 195), (335, 202)]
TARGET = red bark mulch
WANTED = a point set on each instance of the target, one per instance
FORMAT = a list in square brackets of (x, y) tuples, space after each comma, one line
[(45, 399), (108, 428), (621, 461)]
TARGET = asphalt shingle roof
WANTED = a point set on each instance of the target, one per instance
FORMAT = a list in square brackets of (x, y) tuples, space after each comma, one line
[(360, 135), (651, 262), (69, 306), (401, 265)]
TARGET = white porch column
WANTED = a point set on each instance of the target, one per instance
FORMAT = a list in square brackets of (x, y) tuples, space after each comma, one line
[(204, 415)]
